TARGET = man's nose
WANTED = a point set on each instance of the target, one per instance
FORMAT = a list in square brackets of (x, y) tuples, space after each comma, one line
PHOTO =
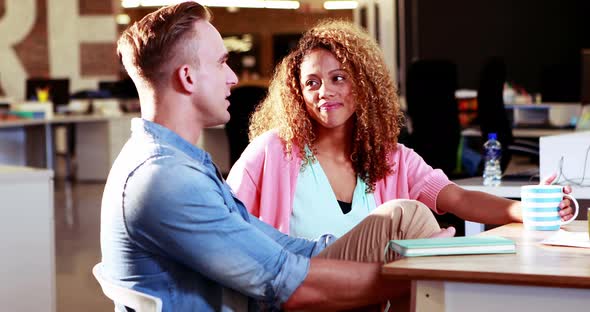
[(232, 78)]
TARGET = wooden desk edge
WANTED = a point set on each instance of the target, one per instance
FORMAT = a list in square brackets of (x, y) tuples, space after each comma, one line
[(395, 270), (391, 272)]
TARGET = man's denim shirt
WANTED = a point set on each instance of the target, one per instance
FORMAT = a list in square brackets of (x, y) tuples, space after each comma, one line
[(171, 228)]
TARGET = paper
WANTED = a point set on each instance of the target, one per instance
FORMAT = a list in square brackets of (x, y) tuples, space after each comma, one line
[(565, 238)]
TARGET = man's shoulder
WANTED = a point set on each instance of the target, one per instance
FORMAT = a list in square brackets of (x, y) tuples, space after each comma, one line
[(160, 160), (151, 179)]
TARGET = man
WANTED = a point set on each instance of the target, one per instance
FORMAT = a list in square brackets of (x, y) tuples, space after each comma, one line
[(171, 226)]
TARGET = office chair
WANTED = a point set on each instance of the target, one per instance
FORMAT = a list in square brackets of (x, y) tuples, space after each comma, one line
[(491, 112), (243, 101), (130, 298), (434, 113), (492, 115)]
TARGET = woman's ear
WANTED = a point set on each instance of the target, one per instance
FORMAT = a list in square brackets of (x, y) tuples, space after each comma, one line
[(186, 79)]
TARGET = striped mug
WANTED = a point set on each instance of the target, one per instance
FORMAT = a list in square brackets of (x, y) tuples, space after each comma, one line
[(540, 207)]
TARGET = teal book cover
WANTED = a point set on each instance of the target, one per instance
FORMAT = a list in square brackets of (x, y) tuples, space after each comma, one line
[(464, 245)]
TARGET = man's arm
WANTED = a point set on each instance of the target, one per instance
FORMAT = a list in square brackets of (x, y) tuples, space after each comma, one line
[(296, 245), (335, 285), (182, 214)]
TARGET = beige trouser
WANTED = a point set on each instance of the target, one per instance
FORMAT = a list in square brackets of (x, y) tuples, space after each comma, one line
[(395, 219)]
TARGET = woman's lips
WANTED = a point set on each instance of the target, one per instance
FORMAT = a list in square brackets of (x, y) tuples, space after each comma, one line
[(330, 106)]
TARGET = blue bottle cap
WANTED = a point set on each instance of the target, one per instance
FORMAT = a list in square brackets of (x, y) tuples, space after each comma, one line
[(492, 136)]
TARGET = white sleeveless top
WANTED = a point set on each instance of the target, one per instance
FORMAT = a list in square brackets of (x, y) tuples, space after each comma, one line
[(316, 210)]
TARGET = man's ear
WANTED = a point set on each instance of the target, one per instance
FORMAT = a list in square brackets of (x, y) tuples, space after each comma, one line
[(186, 79)]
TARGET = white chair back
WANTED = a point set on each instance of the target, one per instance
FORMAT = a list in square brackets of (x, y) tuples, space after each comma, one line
[(130, 298)]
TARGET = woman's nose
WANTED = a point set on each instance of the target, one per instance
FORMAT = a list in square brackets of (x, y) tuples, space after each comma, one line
[(326, 91)]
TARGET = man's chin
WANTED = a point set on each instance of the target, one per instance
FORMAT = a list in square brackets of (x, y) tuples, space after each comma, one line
[(218, 123)]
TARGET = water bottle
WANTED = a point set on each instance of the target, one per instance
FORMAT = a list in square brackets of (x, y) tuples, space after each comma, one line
[(492, 173)]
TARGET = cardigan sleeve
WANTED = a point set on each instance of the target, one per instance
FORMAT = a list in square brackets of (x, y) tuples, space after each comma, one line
[(424, 182), (264, 180), (245, 175)]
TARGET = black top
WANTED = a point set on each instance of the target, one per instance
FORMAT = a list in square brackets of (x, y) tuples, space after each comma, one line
[(346, 207)]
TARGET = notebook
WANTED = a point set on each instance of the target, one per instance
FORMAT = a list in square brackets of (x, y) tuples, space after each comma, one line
[(465, 245)]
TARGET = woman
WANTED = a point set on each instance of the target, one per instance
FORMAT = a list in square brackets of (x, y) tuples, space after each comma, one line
[(325, 154)]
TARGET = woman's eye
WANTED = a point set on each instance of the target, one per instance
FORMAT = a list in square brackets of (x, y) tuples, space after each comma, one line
[(339, 78), (311, 83)]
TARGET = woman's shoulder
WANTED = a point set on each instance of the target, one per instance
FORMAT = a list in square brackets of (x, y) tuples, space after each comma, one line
[(265, 151), (404, 155), (267, 140), (401, 150)]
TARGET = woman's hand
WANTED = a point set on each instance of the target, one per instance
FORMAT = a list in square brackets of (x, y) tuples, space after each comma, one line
[(565, 210)]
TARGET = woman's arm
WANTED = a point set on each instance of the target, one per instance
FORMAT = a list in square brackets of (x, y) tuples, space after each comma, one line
[(489, 209), (478, 206)]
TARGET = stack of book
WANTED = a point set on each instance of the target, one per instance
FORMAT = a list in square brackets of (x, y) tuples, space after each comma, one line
[(467, 245)]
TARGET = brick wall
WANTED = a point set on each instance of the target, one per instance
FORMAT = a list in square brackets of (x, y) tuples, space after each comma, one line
[(95, 7), (33, 51), (96, 59)]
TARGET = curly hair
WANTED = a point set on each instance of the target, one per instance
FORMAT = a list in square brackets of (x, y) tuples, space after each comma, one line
[(378, 117)]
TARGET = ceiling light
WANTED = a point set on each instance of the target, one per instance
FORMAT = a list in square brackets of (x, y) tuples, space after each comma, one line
[(269, 4), (233, 3), (294, 5), (130, 3), (340, 5), (123, 19)]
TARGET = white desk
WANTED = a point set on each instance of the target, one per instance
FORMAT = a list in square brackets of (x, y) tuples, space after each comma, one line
[(511, 189), (32, 141), (537, 278), (27, 243), (525, 133), (99, 139)]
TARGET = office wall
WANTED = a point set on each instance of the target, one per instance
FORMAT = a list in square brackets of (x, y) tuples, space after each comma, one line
[(56, 38), (535, 37)]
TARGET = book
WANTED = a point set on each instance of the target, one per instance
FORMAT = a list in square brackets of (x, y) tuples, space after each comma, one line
[(464, 245)]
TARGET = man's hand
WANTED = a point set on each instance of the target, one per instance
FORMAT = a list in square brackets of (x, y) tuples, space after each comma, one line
[(565, 210)]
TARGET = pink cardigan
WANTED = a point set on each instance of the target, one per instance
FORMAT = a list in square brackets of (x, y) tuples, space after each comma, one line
[(264, 180)]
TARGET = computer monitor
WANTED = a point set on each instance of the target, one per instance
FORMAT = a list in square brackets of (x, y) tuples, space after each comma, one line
[(121, 89), (58, 89), (586, 76)]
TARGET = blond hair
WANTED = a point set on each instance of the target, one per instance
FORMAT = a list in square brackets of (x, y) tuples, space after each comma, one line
[(147, 47)]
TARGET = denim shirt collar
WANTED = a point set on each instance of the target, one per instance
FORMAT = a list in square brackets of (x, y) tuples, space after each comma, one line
[(157, 132)]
